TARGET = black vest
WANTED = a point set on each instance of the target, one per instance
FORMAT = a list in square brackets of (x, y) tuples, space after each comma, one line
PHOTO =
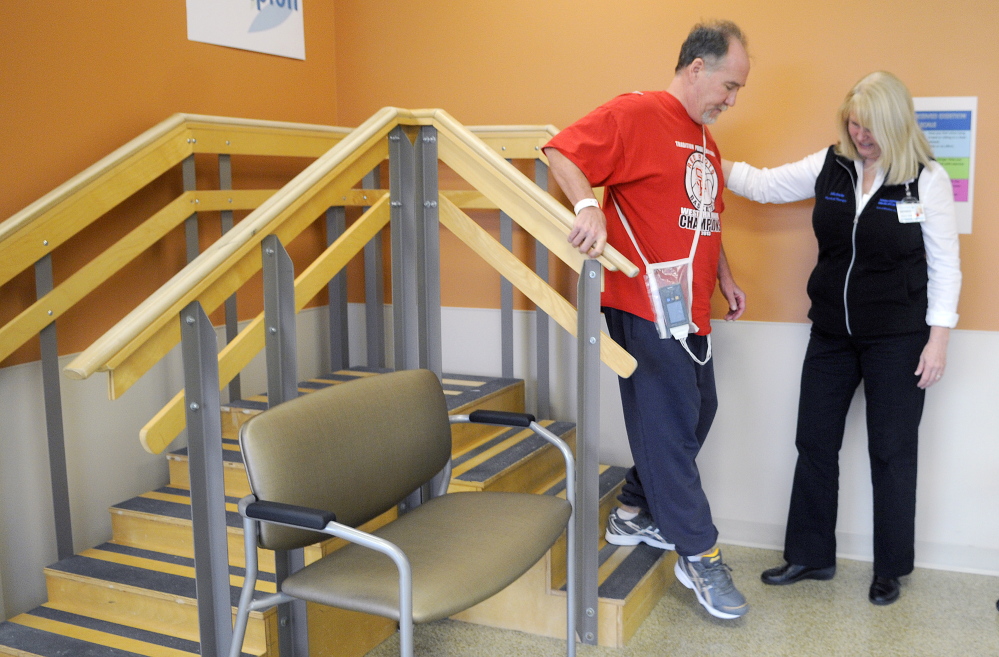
[(870, 278)]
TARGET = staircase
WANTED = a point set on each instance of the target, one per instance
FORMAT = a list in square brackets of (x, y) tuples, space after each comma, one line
[(135, 595)]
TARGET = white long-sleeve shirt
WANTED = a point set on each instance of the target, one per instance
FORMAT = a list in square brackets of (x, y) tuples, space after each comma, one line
[(796, 182)]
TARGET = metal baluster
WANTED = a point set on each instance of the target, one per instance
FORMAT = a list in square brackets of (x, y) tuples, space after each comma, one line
[(231, 313), (52, 391), (336, 223), (541, 320), (204, 437), (374, 288), (282, 385), (587, 449)]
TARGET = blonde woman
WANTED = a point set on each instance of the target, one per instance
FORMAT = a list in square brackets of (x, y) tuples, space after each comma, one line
[(884, 297)]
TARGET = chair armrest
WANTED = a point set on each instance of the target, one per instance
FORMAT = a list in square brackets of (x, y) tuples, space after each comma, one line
[(504, 418), (289, 514)]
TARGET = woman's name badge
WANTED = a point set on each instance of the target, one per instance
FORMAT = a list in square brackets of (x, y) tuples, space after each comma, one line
[(910, 211)]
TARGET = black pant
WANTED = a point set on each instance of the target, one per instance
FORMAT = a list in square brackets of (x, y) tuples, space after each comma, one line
[(834, 366), (669, 404)]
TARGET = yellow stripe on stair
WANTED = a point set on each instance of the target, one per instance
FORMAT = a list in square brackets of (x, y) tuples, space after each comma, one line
[(181, 499), (166, 567), (462, 382), (98, 637), (485, 455)]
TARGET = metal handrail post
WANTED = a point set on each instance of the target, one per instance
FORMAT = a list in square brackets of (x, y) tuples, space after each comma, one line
[(506, 301), (282, 385), (428, 251), (541, 320), (587, 449), (54, 427), (374, 287), (231, 312), (204, 432), (339, 336), (402, 192), (191, 223)]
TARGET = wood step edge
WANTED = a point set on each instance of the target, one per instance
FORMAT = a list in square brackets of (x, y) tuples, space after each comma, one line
[(162, 575), (178, 510), (512, 456), (460, 389), (49, 632)]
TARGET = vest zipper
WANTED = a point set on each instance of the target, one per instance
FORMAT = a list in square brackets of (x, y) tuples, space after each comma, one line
[(853, 244)]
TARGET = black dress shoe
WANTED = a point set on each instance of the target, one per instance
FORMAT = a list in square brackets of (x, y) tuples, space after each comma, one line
[(790, 573), (884, 590)]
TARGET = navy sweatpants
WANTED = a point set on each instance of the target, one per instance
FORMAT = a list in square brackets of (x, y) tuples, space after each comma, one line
[(669, 404)]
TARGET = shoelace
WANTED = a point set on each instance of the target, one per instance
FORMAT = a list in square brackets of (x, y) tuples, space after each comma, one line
[(718, 575)]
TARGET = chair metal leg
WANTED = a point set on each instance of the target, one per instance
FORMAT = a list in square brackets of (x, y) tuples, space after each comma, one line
[(570, 535), (393, 552), (249, 581)]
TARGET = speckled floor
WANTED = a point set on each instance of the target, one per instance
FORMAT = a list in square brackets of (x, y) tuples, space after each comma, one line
[(940, 614)]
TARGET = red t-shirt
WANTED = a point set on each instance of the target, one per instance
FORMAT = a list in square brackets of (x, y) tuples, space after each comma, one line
[(647, 152)]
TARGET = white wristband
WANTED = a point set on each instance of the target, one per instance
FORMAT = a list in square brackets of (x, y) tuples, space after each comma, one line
[(585, 203)]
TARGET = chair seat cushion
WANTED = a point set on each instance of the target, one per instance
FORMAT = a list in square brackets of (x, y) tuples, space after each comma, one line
[(462, 548)]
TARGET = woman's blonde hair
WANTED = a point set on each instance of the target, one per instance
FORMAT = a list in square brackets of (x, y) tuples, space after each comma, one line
[(881, 103)]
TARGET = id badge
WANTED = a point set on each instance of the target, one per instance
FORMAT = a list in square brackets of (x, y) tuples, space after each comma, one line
[(910, 211)]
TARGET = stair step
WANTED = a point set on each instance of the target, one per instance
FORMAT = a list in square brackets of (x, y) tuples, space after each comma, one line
[(631, 581), (160, 521), (149, 590), (611, 480), (49, 632), (514, 460), (464, 393), (233, 472)]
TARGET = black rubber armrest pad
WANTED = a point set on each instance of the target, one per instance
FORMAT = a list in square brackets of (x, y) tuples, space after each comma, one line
[(505, 418), (290, 514)]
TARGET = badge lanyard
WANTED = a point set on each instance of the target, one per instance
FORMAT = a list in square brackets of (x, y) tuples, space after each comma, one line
[(910, 210)]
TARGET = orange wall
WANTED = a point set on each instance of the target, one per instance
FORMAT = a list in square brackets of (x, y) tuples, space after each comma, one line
[(522, 61), (80, 79)]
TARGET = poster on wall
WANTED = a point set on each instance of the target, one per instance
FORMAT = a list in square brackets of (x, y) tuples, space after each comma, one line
[(949, 124), (274, 27)]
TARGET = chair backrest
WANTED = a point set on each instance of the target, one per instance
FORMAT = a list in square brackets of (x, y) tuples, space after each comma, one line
[(356, 449)]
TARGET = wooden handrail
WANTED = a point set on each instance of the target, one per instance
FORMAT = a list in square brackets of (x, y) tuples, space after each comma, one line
[(529, 283), (64, 296), (224, 266), (146, 334), (47, 223), (477, 161), (160, 431)]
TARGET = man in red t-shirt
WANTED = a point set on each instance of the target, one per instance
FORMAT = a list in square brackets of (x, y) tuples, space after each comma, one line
[(661, 169)]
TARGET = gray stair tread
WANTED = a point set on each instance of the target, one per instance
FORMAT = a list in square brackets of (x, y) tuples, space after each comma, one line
[(51, 644), (177, 510), (231, 455), (514, 454), (39, 642), (466, 394), (609, 478), (145, 578), (620, 583)]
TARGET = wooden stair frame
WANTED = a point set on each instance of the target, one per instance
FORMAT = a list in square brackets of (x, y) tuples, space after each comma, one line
[(468, 158)]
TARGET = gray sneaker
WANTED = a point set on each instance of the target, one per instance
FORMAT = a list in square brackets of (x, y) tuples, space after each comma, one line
[(640, 529), (711, 581)]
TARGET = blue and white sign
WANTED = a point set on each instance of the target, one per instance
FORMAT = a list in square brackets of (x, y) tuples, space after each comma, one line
[(949, 124), (269, 26)]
